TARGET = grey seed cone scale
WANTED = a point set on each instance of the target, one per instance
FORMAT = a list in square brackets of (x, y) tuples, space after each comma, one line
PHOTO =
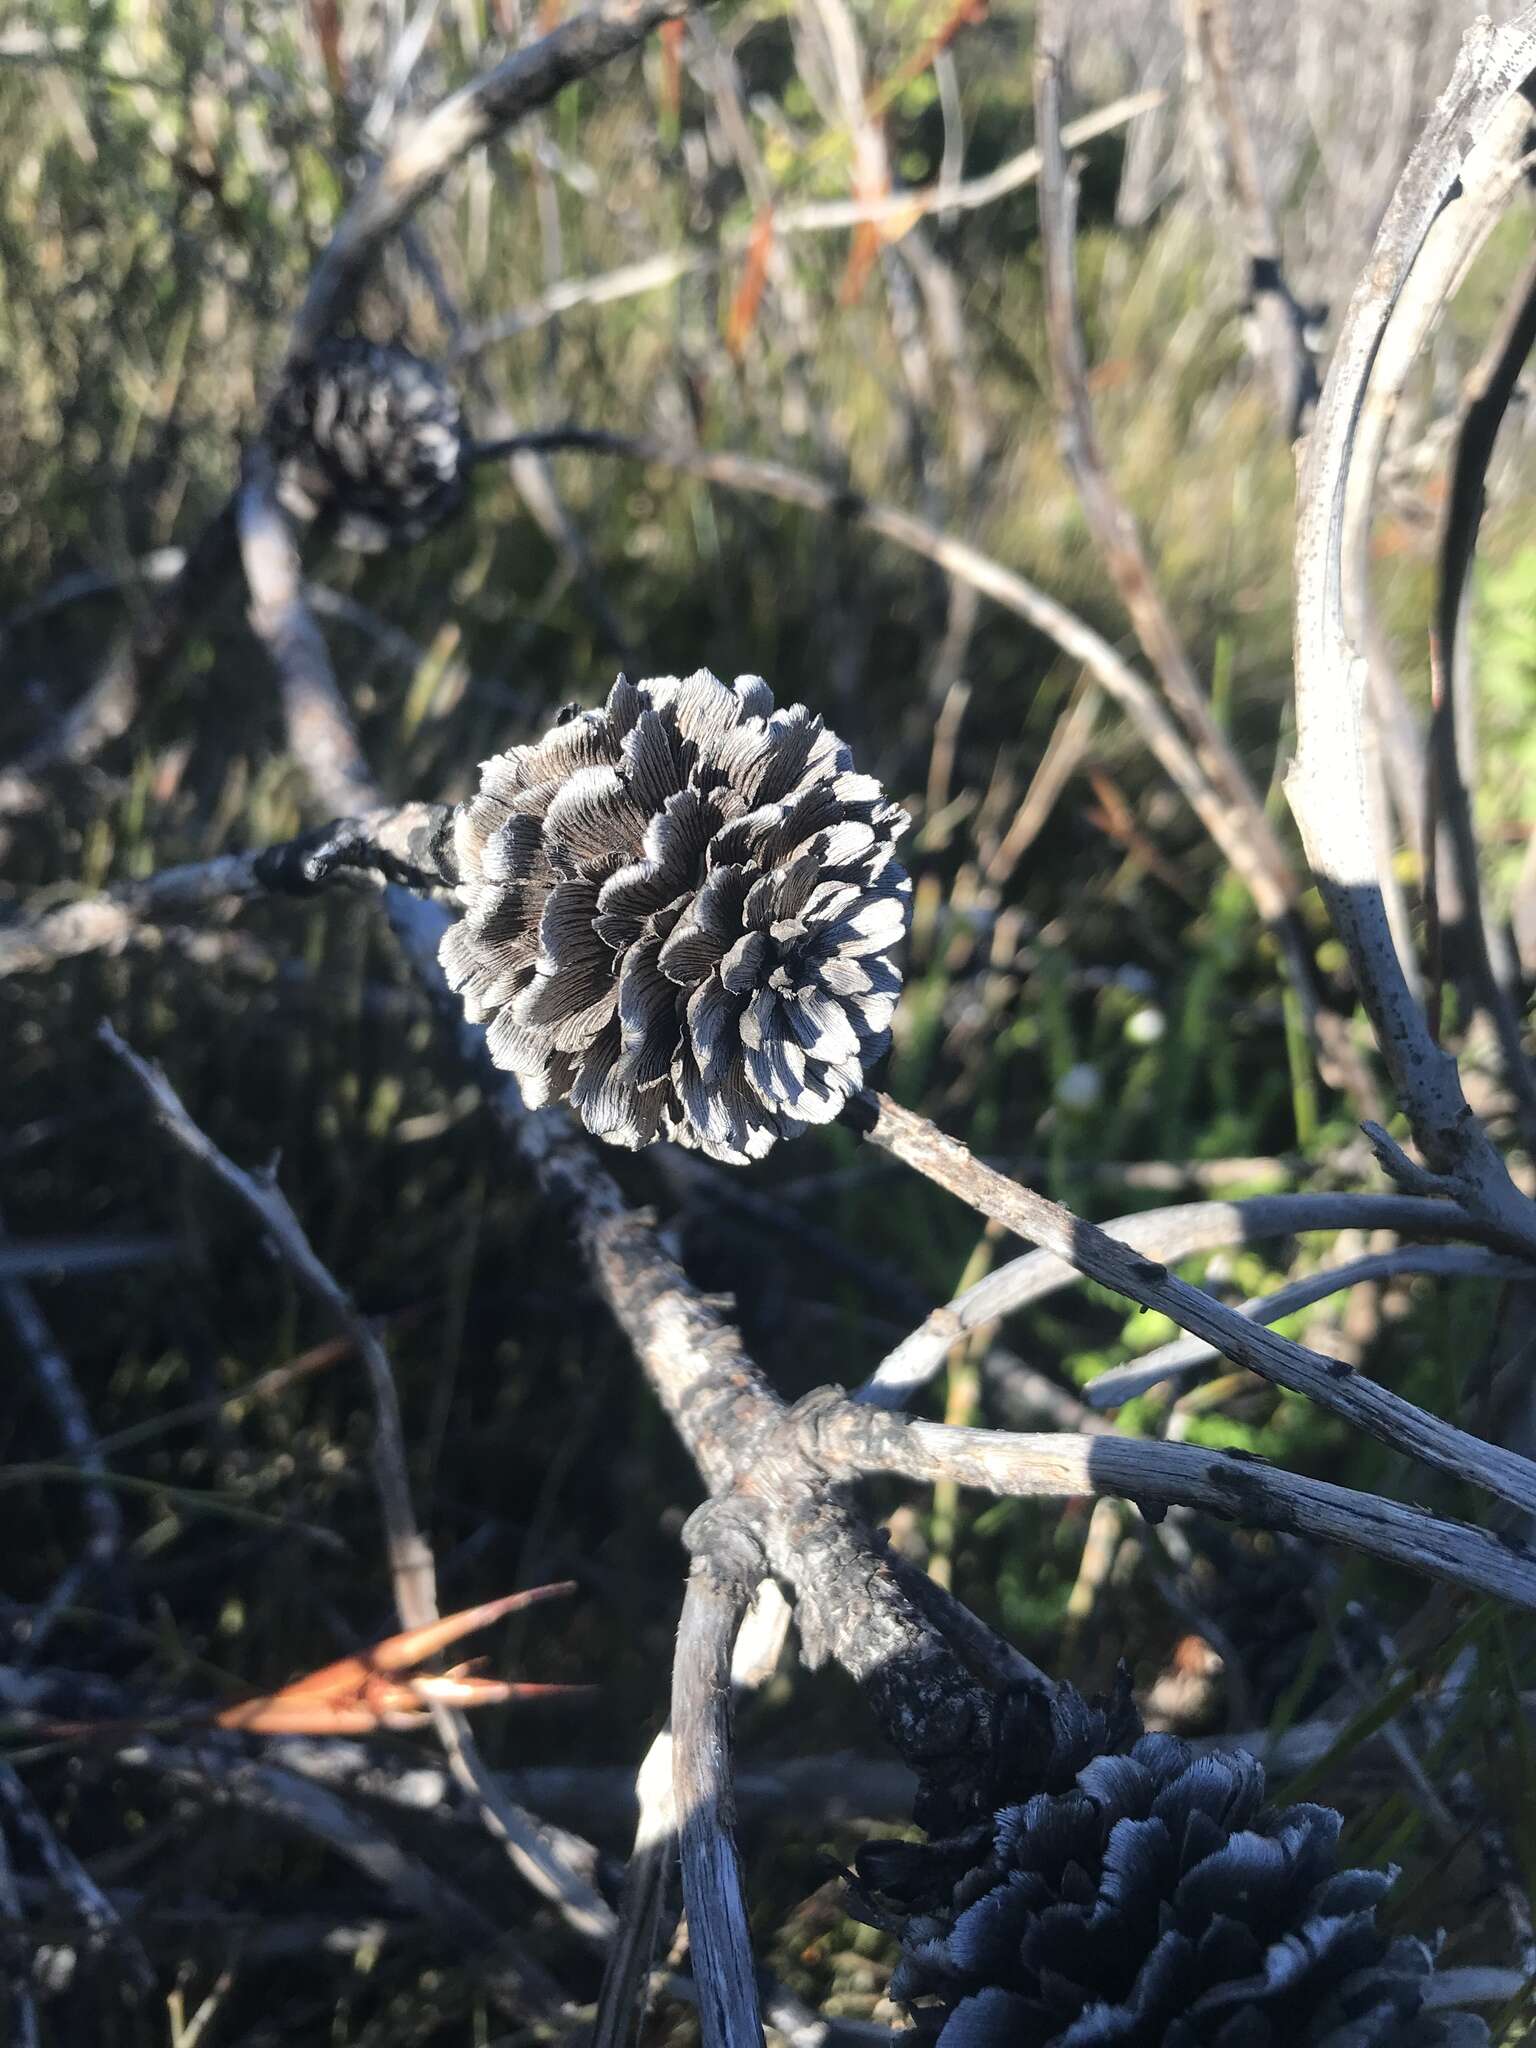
[(375, 436), (1135, 1894), (682, 916)]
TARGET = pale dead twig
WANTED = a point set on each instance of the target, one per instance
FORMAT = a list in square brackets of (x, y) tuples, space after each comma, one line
[(1277, 321), (1327, 783), (720, 1586), (1168, 1235), (1059, 1466), (653, 1855), (896, 212), (56, 1384), (1246, 838), (1485, 400), (1234, 815), (410, 1561), (541, 1859), (320, 733), (1180, 1362), (1093, 1252), (382, 843)]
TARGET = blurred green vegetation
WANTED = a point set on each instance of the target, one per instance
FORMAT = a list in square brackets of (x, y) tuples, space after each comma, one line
[(167, 176)]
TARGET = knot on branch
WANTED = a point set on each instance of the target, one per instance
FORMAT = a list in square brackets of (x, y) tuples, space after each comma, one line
[(411, 846), (726, 1537)]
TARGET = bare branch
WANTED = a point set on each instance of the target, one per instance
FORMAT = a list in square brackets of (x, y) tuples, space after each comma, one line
[(1246, 836), (725, 1567), (1167, 1235), (410, 1561), (1181, 1360), (896, 211), (1163, 1475), (1328, 784), (319, 731), (1277, 324), (390, 844), (417, 164), (1328, 1381), (1485, 401)]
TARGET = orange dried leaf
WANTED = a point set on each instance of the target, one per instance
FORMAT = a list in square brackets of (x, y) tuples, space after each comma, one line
[(672, 33), (381, 1688), (748, 296)]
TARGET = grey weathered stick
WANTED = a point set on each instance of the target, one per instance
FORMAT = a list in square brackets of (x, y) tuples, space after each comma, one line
[(1328, 784), (56, 1383), (1161, 1475), (719, 1936), (383, 844), (410, 1561), (621, 1998), (1485, 400), (423, 156), (1182, 1359), (319, 731), (1277, 322), (1328, 1381), (897, 211), (412, 1570), (1247, 838), (1167, 1235)]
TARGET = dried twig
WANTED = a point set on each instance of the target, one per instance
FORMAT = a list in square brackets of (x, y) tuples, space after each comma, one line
[(896, 212), (727, 1564), (1485, 401), (389, 844), (1181, 1360), (1328, 1381), (539, 1858), (1180, 1232), (1059, 1466), (1277, 321), (1246, 836), (1466, 149), (410, 1561), (319, 731), (423, 156), (56, 1384)]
